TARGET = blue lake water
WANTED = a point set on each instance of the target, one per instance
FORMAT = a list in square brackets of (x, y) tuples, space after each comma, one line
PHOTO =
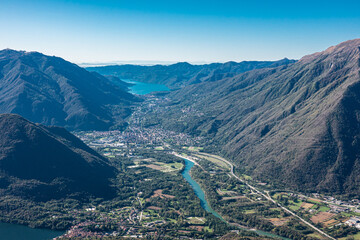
[(19, 232), (201, 195), (141, 88)]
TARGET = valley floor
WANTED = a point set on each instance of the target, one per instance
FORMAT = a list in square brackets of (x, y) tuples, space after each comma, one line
[(155, 202), (243, 202)]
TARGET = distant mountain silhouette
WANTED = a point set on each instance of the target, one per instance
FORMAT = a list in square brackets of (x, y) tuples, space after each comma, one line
[(52, 91), (182, 74), (43, 163), (297, 125)]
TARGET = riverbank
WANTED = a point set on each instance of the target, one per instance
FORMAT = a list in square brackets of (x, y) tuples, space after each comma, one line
[(197, 189), (187, 158), (189, 163)]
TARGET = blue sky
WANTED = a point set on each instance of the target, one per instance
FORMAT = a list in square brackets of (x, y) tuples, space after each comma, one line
[(170, 31)]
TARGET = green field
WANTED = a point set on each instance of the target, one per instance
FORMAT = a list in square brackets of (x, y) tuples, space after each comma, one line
[(246, 177), (324, 209), (356, 237), (214, 159), (174, 166), (295, 205), (167, 167), (194, 149), (159, 148)]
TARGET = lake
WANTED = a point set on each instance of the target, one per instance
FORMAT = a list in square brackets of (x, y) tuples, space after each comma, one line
[(142, 88), (19, 232)]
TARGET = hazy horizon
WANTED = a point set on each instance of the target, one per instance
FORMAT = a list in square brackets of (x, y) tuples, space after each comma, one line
[(189, 31)]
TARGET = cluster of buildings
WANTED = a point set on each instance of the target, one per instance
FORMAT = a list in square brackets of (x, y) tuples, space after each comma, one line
[(335, 205), (338, 209), (351, 204), (158, 222), (102, 138), (135, 135), (80, 231), (353, 222)]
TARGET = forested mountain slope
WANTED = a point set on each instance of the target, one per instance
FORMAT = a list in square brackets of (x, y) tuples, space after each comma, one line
[(297, 125), (43, 163), (52, 91)]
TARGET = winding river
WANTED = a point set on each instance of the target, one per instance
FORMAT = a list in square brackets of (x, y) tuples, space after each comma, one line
[(201, 195), (197, 189)]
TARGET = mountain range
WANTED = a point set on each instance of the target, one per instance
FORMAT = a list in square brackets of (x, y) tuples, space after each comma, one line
[(296, 125), (181, 74), (52, 91)]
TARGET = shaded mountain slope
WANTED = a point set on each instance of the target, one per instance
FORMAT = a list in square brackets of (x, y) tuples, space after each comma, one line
[(182, 74), (49, 162), (52, 91), (297, 125)]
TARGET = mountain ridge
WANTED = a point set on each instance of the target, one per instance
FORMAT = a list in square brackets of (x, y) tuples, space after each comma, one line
[(182, 74), (43, 163), (296, 125), (52, 91)]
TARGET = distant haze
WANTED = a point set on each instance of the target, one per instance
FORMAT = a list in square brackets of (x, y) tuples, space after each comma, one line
[(135, 62), (147, 32)]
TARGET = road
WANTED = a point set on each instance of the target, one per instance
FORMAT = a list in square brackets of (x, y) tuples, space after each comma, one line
[(141, 214), (267, 196)]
